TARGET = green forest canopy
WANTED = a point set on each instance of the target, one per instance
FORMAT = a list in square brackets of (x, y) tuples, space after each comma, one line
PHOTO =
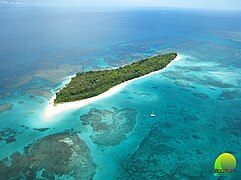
[(92, 83)]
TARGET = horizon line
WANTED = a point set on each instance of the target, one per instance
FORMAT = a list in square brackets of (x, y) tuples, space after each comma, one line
[(112, 6)]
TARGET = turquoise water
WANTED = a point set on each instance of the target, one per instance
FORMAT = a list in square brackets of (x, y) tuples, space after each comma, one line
[(196, 100)]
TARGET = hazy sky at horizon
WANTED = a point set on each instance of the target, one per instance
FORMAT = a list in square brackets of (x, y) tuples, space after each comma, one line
[(202, 4)]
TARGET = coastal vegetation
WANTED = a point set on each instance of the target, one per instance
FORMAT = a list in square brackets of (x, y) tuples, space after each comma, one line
[(92, 83)]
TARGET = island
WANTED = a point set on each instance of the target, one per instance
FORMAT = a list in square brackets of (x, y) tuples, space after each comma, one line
[(93, 83)]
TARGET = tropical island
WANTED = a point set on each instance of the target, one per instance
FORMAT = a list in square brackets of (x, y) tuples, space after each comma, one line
[(93, 83)]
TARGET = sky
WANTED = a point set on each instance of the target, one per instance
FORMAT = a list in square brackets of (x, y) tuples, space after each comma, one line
[(200, 4)]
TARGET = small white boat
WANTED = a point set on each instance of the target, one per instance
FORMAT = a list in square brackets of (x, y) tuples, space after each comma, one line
[(153, 115)]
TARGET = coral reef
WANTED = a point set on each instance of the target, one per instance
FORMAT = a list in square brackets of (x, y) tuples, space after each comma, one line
[(230, 95), (180, 151), (6, 107), (8, 135), (41, 129), (110, 128), (63, 154), (41, 92)]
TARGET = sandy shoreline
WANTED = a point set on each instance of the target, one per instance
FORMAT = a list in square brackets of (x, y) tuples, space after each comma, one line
[(52, 110)]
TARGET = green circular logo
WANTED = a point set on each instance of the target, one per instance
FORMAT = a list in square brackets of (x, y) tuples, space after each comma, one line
[(225, 161)]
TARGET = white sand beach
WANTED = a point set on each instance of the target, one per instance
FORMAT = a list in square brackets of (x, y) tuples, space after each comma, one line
[(52, 109)]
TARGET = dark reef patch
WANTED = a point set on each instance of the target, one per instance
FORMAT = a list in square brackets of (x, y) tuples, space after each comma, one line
[(201, 95), (8, 135), (110, 127), (230, 95), (40, 93), (233, 126), (142, 94), (186, 90), (41, 129), (210, 81), (4, 95), (6, 107), (113, 62), (52, 156), (176, 149), (184, 84)]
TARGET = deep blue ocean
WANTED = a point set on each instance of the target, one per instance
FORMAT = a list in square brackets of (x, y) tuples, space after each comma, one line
[(197, 100)]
